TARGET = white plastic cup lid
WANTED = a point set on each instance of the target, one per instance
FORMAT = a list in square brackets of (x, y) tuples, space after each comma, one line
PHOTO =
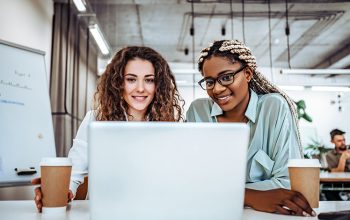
[(56, 161), (304, 163), (54, 210)]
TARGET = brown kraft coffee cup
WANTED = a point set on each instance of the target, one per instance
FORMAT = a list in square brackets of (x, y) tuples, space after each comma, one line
[(305, 178), (55, 178)]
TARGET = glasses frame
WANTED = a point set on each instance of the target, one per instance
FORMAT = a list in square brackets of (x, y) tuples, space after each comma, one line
[(219, 81)]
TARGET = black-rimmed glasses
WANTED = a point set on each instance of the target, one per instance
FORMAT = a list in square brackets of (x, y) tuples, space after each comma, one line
[(224, 79)]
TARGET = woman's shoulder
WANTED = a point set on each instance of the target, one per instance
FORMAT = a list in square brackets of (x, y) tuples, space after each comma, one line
[(273, 100), (82, 131), (274, 106), (202, 102), (199, 110), (90, 115)]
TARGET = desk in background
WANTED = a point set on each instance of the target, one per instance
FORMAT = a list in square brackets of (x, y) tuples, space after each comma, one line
[(79, 210), (335, 181), (342, 177)]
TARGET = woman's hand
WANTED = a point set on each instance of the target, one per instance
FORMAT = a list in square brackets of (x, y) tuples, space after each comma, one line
[(282, 201), (38, 194)]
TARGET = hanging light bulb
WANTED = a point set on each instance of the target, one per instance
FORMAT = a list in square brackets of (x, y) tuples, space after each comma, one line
[(186, 51), (223, 31)]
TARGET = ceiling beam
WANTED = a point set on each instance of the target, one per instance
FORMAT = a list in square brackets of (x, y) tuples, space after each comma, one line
[(335, 57), (324, 19), (139, 24), (265, 2), (296, 15), (307, 37), (148, 2)]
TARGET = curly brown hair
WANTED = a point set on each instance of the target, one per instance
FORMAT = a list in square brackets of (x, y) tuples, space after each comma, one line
[(109, 102)]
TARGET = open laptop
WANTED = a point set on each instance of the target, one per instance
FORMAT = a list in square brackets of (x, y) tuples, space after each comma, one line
[(161, 170)]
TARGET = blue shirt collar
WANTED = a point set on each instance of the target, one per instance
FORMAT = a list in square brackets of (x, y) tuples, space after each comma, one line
[(250, 113)]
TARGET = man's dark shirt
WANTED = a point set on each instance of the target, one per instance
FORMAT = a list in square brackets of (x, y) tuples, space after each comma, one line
[(333, 159)]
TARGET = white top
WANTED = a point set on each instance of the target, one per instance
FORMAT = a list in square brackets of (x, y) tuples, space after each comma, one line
[(79, 153), (26, 210)]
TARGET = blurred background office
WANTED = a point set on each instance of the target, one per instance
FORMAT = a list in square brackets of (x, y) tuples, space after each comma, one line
[(302, 46)]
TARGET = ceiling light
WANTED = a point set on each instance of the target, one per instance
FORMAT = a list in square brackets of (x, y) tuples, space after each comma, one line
[(330, 88), (316, 71), (100, 40), (181, 82), (80, 4), (292, 88), (185, 71)]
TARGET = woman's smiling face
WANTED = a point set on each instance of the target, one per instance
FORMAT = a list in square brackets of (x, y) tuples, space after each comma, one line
[(231, 97), (139, 86)]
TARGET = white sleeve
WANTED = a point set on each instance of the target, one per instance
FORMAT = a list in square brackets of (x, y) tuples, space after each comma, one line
[(79, 153)]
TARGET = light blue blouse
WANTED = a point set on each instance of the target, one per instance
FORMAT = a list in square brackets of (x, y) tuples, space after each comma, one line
[(273, 137)]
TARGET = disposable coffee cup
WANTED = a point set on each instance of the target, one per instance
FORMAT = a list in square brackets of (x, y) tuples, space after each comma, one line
[(55, 178), (305, 178)]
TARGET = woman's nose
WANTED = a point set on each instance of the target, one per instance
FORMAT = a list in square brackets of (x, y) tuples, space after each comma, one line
[(140, 86), (218, 88)]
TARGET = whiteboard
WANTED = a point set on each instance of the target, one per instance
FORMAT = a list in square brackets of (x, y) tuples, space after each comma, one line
[(26, 131)]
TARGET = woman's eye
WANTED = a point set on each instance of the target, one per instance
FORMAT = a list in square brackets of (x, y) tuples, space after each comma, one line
[(226, 78), (149, 80), (131, 80), (209, 82)]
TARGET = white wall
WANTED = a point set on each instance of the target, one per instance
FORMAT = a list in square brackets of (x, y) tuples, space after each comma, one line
[(189, 94), (325, 115), (28, 23)]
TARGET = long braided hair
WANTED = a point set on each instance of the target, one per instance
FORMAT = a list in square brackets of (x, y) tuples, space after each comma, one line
[(235, 50)]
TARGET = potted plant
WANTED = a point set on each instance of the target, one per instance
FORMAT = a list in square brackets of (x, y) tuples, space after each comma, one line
[(318, 151)]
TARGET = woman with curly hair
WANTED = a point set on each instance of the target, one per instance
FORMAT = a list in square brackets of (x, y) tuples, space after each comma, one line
[(118, 96), (137, 85), (240, 93)]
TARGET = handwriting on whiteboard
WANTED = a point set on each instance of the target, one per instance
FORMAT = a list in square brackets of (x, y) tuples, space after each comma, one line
[(21, 74), (14, 84), (11, 102)]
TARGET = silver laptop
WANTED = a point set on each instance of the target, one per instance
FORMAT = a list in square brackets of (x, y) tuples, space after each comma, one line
[(182, 171)]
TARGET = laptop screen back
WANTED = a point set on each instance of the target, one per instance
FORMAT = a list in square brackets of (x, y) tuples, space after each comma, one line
[(167, 170)]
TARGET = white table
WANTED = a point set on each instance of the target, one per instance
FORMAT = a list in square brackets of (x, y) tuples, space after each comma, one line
[(338, 181), (341, 177), (325, 206), (79, 210)]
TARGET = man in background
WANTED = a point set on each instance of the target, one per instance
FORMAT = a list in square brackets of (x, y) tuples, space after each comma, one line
[(337, 159)]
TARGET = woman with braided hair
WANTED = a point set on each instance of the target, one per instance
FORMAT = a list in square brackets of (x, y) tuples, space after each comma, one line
[(240, 93), (137, 85)]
